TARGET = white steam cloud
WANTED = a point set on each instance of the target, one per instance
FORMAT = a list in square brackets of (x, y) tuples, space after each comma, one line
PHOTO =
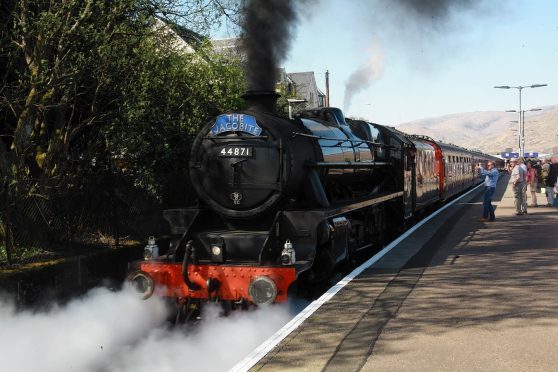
[(117, 331), (362, 77)]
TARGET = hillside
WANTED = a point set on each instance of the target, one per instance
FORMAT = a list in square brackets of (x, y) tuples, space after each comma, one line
[(491, 131)]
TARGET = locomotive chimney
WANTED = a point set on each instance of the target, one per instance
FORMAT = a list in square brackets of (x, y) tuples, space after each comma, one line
[(261, 100)]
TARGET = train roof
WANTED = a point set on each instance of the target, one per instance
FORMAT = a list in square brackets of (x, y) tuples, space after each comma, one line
[(414, 139), (451, 147), (401, 136)]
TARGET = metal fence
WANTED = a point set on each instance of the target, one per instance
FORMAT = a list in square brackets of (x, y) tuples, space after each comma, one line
[(61, 221)]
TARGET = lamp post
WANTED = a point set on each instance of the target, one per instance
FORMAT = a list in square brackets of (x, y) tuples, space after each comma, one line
[(290, 101), (520, 88), (523, 127), (521, 132), (518, 130)]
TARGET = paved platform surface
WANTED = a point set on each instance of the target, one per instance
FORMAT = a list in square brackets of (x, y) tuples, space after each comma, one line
[(458, 294)]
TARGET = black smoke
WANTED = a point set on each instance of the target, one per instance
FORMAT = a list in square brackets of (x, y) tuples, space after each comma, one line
[(436, 9), (419, 27), (435, 15), (268, 28)]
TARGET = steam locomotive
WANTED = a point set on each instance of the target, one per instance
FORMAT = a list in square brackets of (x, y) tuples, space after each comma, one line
[(284, 200)]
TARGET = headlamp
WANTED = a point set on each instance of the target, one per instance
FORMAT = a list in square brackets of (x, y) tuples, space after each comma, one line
[(263, 290), (143, 283)]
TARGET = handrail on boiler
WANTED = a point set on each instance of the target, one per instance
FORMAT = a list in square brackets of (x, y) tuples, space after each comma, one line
[(340, 141), (422, 136)]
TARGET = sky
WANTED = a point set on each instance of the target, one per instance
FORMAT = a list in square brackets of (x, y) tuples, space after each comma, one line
[(416, 63)]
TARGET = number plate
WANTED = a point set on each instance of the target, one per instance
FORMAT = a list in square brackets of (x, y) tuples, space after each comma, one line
[(236, 152)]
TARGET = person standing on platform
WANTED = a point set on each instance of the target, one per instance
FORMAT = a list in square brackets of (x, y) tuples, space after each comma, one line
[(490, 179), (549, 178), (538, 168), (510, 166), (551, 181), (532, 182), (517, 180), (521, 163)]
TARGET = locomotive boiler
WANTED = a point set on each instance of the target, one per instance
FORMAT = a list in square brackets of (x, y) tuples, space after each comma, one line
[(279, 200)]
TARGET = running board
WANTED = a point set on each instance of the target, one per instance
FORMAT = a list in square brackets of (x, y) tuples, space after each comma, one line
[(335, 210)]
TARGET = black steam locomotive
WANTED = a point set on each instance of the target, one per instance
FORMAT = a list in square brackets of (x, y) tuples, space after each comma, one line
[(284, 200)]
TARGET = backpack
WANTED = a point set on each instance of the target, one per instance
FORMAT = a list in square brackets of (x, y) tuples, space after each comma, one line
[(553, 171), (538, 170), (544, 173)]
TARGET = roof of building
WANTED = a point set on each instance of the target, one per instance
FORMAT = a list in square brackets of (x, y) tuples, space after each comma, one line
[(189, 36), (305, 79), (231, 46), (283, 76), (184, 38)]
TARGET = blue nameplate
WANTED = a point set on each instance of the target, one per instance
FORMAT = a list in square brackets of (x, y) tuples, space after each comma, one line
[(236, 123)]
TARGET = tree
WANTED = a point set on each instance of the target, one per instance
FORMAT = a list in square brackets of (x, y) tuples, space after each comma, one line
[(74, 72), (173, 95)]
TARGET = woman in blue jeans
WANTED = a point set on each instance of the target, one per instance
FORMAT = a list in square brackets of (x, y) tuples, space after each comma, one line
[(490, 179)]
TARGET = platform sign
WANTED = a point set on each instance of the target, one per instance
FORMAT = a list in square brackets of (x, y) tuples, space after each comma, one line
[(510, 155), (531, 154), (236, 123)]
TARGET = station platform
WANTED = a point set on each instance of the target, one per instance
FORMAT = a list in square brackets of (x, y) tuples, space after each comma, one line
[(456, 294)]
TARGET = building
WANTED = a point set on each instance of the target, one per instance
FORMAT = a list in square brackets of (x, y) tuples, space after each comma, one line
[(232, 47), (181, 38), (304, 86)]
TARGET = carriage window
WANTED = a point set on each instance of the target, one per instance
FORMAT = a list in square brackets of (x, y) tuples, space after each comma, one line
[(430, 164), (427, 165)]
